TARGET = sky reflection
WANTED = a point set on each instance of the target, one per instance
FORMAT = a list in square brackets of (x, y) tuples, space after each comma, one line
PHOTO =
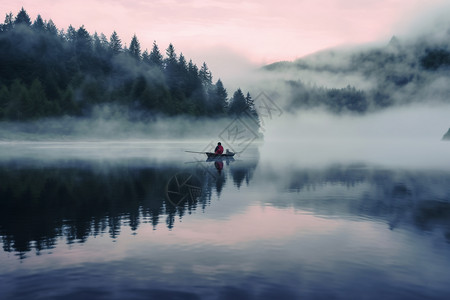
[(105, 228)]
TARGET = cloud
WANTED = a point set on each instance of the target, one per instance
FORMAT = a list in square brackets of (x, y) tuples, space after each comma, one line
[(430, 20), (264, 31)]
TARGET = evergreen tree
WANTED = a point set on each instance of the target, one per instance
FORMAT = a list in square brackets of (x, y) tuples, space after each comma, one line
[(171, 56), (192, 70), (135, 48), (39, 24), (83, 41), (146, 57), (115, 44), (51, 28), (182, 73), (171, 68), (23, 18), (83, 49), (205, 75), (193, 83), (237, 104), (71, 35), (9, 23), (97, 44), (156, 58), (104, 41), (220, 98), (182, 63), (100, 58), (251, 108)]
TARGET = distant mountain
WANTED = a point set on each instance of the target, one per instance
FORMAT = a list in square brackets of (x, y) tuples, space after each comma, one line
[(365, 79)]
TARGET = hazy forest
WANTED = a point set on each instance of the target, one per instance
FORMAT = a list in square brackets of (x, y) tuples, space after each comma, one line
[(369, 78), (51, 72)]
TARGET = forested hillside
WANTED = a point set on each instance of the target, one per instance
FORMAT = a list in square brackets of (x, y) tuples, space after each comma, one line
[(51, 72), (361, 80)]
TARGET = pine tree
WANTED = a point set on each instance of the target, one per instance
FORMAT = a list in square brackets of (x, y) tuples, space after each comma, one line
[(171, 56), (100, 53), (181, 75), (104, 41), (194, 84), (83, 41), (39, 24), (51, 28), (156, 58), (182, 64), (205, 75), (23, 18), (115, 44), (135, 48), (220, 98), (146, 57), (9, 23), (251, 108), (171, 68), (97, 44), (71, 34), (237, 104)]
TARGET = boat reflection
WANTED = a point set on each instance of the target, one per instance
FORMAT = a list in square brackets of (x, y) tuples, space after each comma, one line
[(219, 162)]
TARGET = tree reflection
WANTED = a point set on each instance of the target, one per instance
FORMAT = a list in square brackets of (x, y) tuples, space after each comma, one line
[(39, 205), (420, 198)]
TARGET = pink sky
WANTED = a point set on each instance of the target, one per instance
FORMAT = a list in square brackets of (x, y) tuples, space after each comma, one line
[(258, 31)]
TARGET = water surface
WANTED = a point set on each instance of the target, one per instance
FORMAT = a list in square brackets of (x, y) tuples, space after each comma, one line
[(146, 220)]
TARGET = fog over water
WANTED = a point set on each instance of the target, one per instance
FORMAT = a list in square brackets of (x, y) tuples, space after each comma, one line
[(405, 136)]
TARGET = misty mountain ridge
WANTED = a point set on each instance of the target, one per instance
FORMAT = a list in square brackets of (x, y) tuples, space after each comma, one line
[(367, 78), (364, 58)]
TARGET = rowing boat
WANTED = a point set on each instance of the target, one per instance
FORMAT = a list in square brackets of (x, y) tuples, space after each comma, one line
[(227, 154), (223, 155)]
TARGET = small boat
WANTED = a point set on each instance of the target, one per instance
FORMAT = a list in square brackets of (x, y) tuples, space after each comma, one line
[(212, 155), (223, 155)]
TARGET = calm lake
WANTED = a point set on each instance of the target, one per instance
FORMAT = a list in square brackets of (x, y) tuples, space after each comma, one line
[(147, 220)]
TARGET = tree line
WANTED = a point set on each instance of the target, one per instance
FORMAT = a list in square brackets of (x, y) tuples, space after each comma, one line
[(48, 72)]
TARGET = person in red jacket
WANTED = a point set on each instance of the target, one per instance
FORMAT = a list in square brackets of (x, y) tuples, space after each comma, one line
[(219, 149)]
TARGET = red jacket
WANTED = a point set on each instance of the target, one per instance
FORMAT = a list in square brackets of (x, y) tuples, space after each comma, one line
[(219, 149)]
